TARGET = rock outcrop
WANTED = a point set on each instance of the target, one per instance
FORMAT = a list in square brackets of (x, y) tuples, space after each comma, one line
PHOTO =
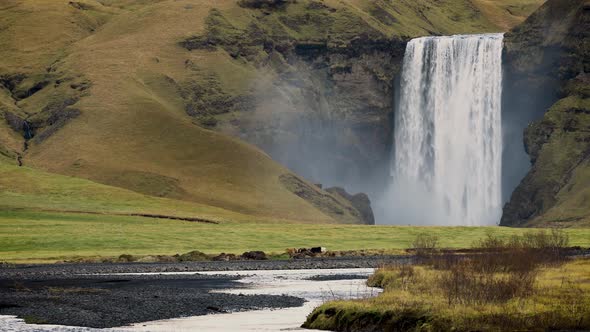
[(334, 202), (548, 64), (359, 201)]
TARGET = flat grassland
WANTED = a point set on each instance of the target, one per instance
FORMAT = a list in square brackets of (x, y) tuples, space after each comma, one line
[(36, 236)]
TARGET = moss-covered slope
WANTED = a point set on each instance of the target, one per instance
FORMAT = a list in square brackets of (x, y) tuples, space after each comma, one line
[(548, 57)]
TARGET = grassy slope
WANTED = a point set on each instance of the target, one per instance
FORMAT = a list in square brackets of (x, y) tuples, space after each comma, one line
[(506, 13), (132, 132), (27, 189)]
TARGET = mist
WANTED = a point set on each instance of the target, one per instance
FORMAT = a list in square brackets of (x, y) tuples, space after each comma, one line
[(525, 100), (311, 124)]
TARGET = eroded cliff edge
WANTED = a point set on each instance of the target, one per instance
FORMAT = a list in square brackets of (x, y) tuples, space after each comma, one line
[(547, 64)]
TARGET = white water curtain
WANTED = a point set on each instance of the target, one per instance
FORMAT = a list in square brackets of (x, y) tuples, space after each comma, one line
[(447, 159)]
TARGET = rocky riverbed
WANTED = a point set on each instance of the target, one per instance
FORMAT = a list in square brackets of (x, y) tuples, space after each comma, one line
[(114, 295)]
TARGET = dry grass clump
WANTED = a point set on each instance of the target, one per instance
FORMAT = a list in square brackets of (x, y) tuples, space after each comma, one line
[(500, 269), (520, 283), (403, 277)]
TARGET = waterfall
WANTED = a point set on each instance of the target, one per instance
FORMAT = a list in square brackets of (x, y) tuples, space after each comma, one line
[(447, 153)]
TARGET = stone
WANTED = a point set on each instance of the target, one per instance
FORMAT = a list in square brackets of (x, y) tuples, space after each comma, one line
[(254, 255), (318, 250)]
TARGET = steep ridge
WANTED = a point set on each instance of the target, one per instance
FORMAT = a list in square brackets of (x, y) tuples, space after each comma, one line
[(548, 65)]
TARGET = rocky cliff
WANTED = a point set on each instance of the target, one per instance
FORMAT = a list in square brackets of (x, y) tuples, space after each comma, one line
[(321, 98), (548, 69)]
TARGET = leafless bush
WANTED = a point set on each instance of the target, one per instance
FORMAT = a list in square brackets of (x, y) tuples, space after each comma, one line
[(425, 244), (490, 242), (556, 240), (406, 276), (465, 283), (497, 270), (524, 252), (500, 269)]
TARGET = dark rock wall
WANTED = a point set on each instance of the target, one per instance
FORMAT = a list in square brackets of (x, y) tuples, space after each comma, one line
[(360, 202), (547, 61), (335, 203), (323, 104), (334, 122)]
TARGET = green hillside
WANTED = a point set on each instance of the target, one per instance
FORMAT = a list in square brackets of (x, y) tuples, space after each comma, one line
[(105, 87)]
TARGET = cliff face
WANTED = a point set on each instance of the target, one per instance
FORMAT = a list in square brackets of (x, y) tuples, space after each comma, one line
[(548, 64), (321, 78), (330, 117)]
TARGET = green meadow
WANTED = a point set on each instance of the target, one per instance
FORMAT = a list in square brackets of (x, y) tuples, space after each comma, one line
[(45, 237)]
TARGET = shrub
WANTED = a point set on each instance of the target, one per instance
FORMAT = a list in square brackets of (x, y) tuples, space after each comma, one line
[(208, 121), (500, 269), (521, 253), (425, 244), (556, 240), (464, 282), (263, 3), (126, 258), (193, 256)]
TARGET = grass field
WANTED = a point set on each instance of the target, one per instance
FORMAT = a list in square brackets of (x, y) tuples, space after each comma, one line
[(29, 236), (46, 217)]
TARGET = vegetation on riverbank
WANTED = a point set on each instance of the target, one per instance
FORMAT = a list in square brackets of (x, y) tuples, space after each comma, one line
[(519, 283)]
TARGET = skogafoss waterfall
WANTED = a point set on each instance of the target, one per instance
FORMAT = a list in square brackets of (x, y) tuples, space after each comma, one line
[(447, 154)]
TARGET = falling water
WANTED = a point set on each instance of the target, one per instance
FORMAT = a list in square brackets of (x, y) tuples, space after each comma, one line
[(448, 147)]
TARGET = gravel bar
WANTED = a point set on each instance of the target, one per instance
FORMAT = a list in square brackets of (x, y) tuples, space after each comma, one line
[(111, 295)]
